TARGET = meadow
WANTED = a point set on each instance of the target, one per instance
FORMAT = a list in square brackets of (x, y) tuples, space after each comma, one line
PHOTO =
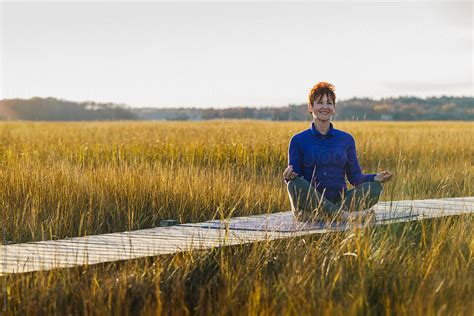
[(63, 180)]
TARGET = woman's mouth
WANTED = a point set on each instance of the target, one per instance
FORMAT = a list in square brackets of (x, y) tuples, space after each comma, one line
[(324, 112)]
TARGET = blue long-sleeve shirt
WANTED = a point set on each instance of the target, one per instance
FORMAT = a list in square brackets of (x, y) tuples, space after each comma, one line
[(325, 160)]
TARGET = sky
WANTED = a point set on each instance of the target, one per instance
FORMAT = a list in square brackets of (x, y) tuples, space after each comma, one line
[(225, 54)]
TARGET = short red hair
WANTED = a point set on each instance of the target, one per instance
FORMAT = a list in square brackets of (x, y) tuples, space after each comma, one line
[(320, 89)]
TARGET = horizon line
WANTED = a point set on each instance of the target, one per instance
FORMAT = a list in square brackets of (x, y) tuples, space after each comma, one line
[(240, 106)]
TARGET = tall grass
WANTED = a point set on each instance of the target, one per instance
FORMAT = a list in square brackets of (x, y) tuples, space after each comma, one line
[(61, 180), (71, 179), (421, 268)]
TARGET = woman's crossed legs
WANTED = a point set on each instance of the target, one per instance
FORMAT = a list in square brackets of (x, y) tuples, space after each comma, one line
[(307, 203)]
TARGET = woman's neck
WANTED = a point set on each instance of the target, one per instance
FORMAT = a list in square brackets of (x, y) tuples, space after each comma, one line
[(322, 126)]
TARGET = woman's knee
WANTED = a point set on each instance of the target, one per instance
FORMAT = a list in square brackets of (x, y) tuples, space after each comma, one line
[(371, 188), (376, 187), (297, 182)]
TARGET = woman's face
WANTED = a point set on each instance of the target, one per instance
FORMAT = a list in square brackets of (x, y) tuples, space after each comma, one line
[(323, 108)]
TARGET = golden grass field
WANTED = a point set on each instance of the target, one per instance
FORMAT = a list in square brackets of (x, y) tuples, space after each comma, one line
[(62, 180)]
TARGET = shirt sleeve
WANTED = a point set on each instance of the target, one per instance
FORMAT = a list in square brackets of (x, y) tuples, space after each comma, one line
[(295, 157), (354, 174)]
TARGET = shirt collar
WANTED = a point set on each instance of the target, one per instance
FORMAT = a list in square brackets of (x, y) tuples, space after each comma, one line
[(317, 133)]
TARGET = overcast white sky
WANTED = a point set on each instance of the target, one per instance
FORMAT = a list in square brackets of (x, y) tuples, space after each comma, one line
[(224, 54)]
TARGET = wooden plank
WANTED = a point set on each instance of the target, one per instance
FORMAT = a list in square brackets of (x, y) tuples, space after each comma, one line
[(125, 247), (56, 255), (44, 255), (434, 203)]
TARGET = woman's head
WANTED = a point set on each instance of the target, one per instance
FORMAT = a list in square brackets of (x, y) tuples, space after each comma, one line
[(322, 101)]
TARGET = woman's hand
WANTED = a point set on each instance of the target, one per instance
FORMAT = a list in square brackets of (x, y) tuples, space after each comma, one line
[(383, 176), (289, 174)]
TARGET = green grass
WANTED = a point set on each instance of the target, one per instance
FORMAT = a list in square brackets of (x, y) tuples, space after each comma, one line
[(61, 180)]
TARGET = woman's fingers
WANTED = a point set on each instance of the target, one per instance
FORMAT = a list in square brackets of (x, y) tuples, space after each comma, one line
[(289, 173), (387, 175)]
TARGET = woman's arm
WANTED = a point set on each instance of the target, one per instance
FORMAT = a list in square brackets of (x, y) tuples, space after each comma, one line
[(354, 174), (295, 157)]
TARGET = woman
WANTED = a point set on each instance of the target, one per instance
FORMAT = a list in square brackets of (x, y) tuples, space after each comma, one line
[(319, 158)]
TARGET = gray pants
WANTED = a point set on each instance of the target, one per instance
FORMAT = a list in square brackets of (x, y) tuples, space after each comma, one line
[(308, 203)]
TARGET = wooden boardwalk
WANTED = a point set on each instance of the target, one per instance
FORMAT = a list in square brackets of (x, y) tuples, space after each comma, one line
[(45, 255)]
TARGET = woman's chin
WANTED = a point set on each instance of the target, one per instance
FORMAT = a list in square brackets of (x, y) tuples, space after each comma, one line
[(323, 118)]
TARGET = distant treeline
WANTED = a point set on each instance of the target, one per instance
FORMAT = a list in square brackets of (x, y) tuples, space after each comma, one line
[(401, 108), (52, 109)]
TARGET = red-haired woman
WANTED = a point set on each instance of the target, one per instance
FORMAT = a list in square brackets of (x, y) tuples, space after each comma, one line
[(319, 158)]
